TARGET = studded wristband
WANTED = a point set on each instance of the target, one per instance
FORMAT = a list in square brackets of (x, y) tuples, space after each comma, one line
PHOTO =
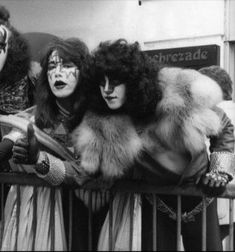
[(223, 163), (43, 166), (56, 173)]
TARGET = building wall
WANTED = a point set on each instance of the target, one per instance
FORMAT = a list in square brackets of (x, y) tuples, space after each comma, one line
[(154, 23)]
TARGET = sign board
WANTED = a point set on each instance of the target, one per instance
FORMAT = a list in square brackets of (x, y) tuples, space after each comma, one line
[(191, 57)]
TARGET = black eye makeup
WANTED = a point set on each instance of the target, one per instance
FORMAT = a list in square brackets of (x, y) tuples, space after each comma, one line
[(112, 83), (2, 46), (52, 65)]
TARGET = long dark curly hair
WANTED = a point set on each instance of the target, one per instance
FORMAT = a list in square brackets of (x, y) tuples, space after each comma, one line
[(125, 62), (74, 50), (18, 58)]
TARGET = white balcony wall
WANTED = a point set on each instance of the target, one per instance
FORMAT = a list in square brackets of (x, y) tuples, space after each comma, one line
[(154, 23)]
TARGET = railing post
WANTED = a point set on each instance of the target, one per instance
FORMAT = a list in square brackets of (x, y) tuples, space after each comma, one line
[(154, 222), (111, 222), (132, 199), (90, 238), (70, 219), (2, 214), (231, 228), (179, 212), (34, 224), (18, 203), (52, 218), (203, 223)]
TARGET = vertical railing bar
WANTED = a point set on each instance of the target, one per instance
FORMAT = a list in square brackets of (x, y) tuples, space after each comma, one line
[(132, 196), (2, 214), (204, 223), (90, 238), (179, 213), (70, 219), (231, 228), (154, 222), (18, 203), (35, 197), (111, 222), (52, 219)]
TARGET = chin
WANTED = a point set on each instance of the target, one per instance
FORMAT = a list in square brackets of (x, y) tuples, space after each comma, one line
[(114, 107), (62, 94)]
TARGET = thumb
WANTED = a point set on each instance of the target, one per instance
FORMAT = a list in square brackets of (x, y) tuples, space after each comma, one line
[(33, 144), (30, 133)]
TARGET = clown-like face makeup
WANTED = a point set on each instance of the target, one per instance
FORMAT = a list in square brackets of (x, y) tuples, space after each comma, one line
[(4, 35), (113, 92), (62, 76)]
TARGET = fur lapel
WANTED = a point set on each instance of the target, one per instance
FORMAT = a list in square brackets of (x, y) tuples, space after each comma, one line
[(109, 143)]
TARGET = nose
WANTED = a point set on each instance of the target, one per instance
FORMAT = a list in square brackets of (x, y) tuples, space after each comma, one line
[(108, 89), (58, 70)]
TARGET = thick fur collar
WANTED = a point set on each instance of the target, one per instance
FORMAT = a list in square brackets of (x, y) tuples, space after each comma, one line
[(185, 114), (108, 144)]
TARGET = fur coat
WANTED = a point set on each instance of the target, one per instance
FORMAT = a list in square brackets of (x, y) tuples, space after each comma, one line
[(184, 116)]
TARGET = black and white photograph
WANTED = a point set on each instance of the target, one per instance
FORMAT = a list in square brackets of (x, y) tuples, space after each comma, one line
[(117, 125)]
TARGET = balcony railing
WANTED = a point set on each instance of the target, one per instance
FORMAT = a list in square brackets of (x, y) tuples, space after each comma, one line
[(132, 187)]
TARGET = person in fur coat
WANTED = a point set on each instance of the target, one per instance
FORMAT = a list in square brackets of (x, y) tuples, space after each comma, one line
[(149, 122), (158, 122)]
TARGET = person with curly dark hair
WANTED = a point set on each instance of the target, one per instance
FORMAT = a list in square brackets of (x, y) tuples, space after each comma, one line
[(222, 77), (16, 89), (15, 86), (149, 122)]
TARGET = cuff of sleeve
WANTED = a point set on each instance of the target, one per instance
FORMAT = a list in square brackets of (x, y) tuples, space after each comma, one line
[(223, 162), (13, 135), (56, 173)]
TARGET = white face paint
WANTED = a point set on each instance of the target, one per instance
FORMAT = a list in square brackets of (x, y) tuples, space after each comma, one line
[(4, 36), (114, 93), (62, 76)]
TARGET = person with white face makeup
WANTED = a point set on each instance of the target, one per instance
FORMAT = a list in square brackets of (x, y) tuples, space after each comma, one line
[(62, 65), (62, 76), (4, 37), (114, 93), (14, 67), (15, 86)]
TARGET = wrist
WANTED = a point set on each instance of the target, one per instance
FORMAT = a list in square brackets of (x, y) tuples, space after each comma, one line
[(43, 164), (223, 164), (54, 169)]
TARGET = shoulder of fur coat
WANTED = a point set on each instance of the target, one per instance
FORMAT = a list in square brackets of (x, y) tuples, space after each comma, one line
[(108, 144), (185, 113)]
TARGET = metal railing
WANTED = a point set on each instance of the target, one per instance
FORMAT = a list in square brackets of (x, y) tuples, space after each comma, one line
[(125, 186)]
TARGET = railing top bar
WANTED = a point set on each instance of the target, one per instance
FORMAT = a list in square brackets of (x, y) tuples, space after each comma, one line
[(186, 190), (20, 178), (121, 186)]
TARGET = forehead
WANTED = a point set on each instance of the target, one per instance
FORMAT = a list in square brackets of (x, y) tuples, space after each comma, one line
[(55, 57)]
